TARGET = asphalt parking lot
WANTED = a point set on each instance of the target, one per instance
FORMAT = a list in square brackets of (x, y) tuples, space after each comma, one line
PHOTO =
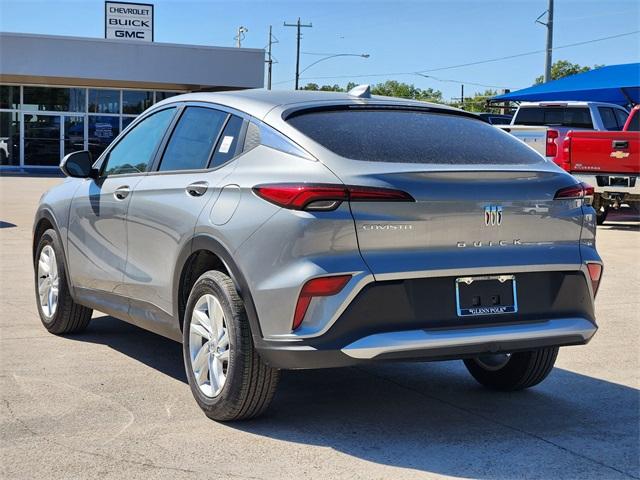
[(113, 402)]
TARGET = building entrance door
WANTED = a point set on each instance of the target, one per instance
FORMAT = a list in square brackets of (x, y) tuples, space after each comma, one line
[(48, 137), (42, 139)]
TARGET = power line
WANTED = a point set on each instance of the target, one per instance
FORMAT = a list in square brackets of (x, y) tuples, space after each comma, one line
[(533, 52), (459, 81), (479, 62)]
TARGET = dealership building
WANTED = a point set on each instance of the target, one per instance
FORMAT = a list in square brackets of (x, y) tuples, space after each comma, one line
[(61, 94)]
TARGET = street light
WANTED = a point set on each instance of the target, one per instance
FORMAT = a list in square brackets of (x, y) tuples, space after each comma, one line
[(361, 55)]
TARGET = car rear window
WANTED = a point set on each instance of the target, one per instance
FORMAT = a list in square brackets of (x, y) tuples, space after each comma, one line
[(575, 117), (410, 136)]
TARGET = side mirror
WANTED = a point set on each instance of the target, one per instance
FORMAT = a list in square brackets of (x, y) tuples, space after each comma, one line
[(78, 164)]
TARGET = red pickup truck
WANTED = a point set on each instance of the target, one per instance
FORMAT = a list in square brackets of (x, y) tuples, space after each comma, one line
[(608, 160)]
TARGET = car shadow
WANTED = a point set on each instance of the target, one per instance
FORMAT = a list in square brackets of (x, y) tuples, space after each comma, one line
[(432, 417), (620, 226)]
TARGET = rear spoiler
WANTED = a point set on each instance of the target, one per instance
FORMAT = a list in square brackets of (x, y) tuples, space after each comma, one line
[(301, 110)]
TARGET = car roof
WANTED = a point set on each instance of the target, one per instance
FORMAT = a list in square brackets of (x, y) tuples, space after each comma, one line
[(568, 103), (259, 102)]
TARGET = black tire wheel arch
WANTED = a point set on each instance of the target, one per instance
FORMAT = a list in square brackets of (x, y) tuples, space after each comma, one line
[(69, 317), (250, 384)]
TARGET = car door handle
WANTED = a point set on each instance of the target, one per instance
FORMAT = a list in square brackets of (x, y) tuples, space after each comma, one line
[(620, 144), (197, 189), (121, 192)]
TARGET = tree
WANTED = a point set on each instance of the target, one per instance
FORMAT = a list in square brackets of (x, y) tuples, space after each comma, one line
[(331, 88), (564, 68), (311, 86), (390, 88), (478, 102), (393, 88), (323, 88)]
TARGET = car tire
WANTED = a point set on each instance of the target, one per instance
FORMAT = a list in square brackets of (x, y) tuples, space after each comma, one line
[(601, 215), (58, 311), (516, 371), (601, 207), (232, 383)]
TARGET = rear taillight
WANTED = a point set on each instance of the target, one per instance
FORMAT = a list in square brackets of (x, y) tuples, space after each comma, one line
[(588, 192), (552, 146), (577, 191), (323, 197), (317, 287), (565, 157), (567, 193), (595, 273)]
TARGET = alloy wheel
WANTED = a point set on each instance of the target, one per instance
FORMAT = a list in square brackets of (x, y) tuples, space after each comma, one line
[(48, 282), (209, 346), (493, 362)]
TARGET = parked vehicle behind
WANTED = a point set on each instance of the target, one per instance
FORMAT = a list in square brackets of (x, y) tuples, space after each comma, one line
[(541, 139), (610, 161), (286, 230), (496, 118), (560, 117)]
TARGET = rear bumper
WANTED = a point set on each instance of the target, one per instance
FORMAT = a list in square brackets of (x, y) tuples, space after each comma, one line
[(602, 183), (494, 338), (433, 345), (417, 320)]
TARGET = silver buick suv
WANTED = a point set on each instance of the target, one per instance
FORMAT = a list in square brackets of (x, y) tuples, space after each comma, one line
[(271, 230)]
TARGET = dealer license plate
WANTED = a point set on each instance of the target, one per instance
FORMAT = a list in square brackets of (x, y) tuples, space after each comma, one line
[(487, 295)]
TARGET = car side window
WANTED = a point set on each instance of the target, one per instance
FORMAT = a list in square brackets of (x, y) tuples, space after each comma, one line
[(622, 116), (135, 151), (608, 118), (227, 146), (193, 139)]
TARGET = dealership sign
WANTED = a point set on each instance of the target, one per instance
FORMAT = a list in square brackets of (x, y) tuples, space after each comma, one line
[(128, 21)]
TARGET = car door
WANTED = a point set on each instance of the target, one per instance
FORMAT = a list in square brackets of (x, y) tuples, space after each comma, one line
[(97, 241), (167, 202)]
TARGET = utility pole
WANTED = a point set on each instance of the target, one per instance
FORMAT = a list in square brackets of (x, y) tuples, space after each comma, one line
[(547, 65), (269, 61), (549, 25), (462, 96), (241, 31), (298, 25)]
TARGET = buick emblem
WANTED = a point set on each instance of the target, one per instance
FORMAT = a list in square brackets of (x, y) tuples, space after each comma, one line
[(493, 215)]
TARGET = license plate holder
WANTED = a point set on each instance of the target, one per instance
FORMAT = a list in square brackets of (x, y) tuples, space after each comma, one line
[(618, 181), (486, 295)]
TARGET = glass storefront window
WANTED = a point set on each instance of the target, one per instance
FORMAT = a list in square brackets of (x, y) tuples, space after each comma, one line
[(135, 102), (56, 118), (164, 95), (104, 101), (9, 138), (102, 131), (54, 99), (126, 121), (73, 134), (9, 96), (41, 139)]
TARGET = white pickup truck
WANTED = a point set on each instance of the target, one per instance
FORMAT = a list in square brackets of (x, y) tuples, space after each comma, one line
[(543, 125)]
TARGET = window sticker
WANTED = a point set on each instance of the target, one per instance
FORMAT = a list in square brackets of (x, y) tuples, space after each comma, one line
[(225, 145)]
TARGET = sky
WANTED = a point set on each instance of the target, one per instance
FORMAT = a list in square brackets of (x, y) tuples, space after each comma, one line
[(400, 37)]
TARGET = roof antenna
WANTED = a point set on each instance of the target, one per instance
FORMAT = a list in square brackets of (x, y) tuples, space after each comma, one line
[(361, 91)]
